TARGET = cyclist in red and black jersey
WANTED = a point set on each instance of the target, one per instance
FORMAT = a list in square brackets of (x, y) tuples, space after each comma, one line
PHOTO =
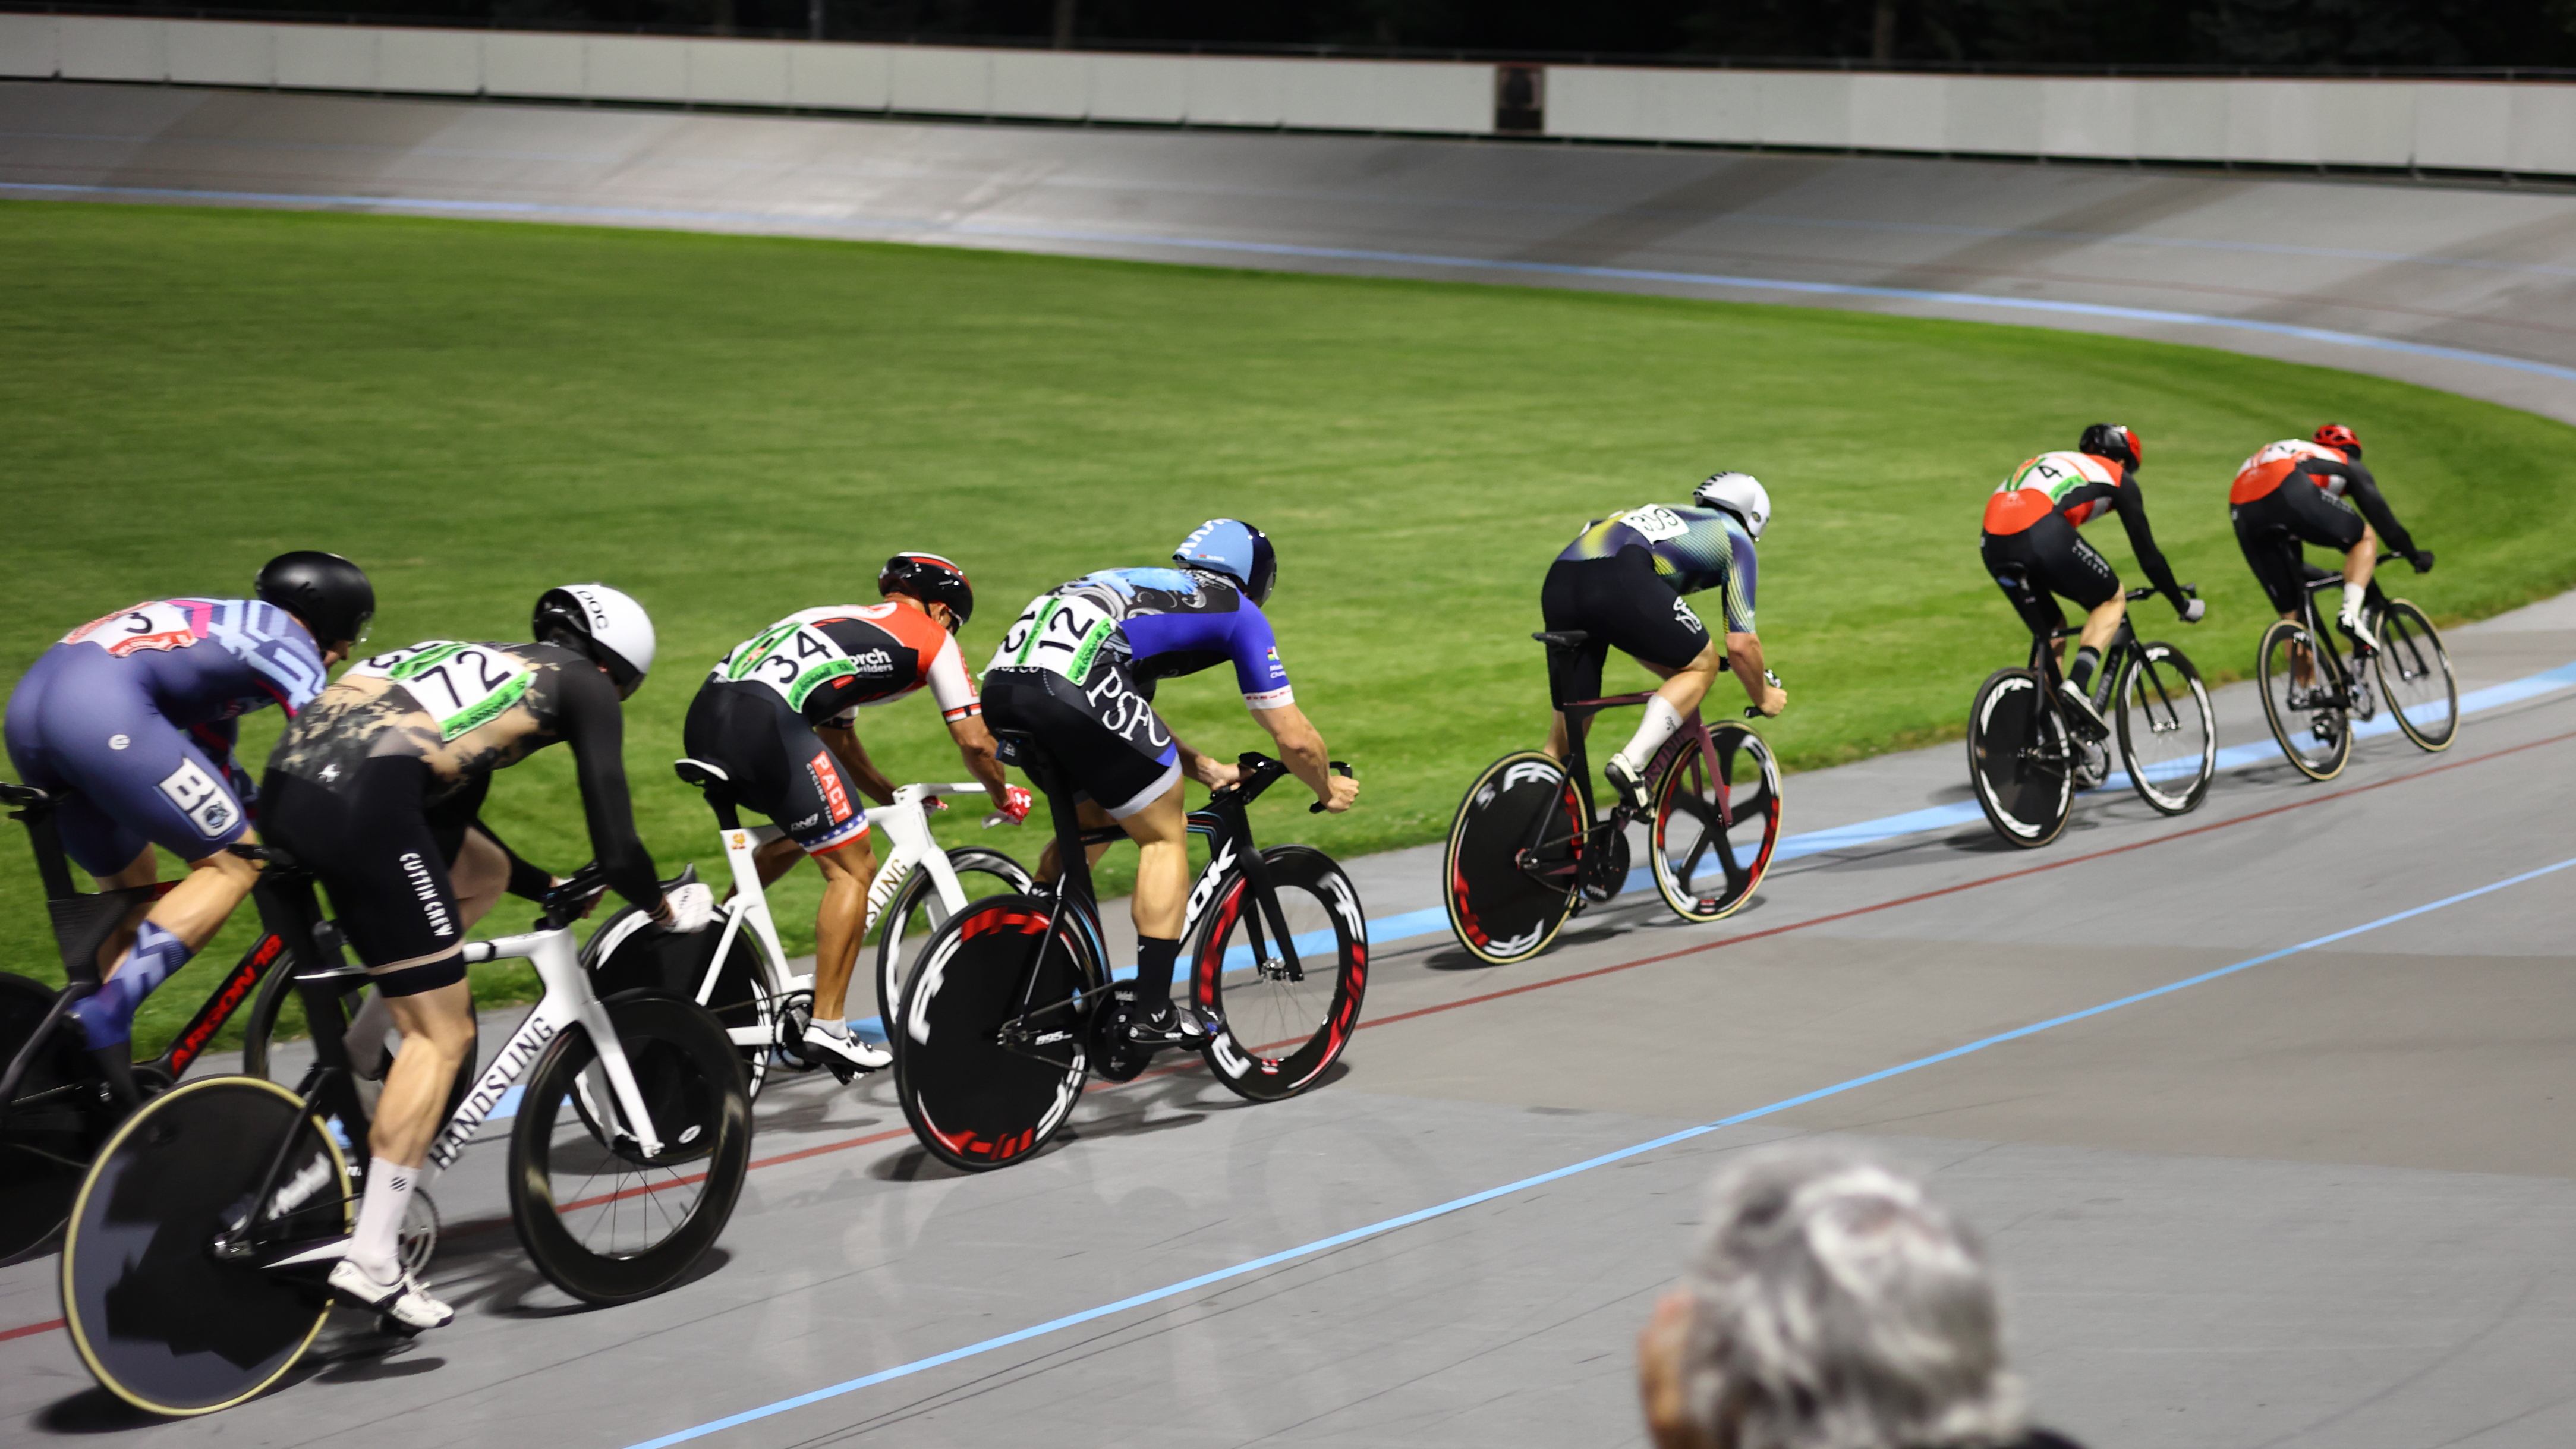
[(777, 716), (2293, 493), (2033, 551)]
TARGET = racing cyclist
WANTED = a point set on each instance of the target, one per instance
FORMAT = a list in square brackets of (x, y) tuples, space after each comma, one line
[(2275, 515), (777, 717), (2033, 552), (1078, 671), (131, 720), (1622, 581), (369, 789)]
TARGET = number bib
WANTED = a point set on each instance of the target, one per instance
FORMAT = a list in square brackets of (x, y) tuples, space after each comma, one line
[(793, 658), (1655, 523), (160, 625), (462, 686), (1061, 633)]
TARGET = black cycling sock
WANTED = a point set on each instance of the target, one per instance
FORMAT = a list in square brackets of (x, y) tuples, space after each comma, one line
[(1154, 958), (2080, 673)]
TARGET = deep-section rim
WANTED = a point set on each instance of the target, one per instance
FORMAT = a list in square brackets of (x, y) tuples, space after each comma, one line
[(1242, 1067), (1978, 709), (2318, 652), (938, 953), (1452, 888), (2138, 663), (1664, 788), (2450, 679), (964, 860)]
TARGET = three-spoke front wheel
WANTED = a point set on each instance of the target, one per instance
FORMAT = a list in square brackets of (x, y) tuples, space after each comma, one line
[(2415, 677), (1717, 817), (1514, 858), (2168, 734), (2021, 758), (1289, 987), (2304, 699)]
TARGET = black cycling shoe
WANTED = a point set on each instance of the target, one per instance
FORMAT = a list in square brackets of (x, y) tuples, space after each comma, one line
[(1169, 1024)]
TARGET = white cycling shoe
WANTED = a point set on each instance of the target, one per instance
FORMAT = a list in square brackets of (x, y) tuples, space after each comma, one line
[(853, 1052), (1630, 785), (403, 1302), (2080, 708), (2360, 632)]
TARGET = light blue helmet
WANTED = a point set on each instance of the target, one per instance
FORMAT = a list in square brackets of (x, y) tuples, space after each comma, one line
[(1236, 549)]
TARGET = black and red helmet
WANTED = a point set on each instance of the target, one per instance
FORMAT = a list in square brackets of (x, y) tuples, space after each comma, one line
[(2340, 438), (931, 579), (2114, 440)]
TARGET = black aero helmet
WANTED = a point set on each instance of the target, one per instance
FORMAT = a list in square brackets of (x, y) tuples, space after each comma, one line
[(602, 625), (2114, 440), (1236, 549), (327, 592), (931, 579)]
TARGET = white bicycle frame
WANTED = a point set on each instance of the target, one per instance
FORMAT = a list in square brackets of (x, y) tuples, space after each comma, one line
[(568, 999), (906, 823)]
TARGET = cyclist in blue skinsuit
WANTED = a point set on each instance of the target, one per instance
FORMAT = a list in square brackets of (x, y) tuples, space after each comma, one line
[(1078, 670), (132, 719)]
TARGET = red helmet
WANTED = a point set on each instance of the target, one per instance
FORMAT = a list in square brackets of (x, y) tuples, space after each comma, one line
[(2336, 435), (931, 579)]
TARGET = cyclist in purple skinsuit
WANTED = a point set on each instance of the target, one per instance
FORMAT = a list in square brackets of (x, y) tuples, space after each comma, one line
[(131, 721)]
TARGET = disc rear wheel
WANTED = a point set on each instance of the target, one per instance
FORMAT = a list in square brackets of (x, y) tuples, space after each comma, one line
[(990, 1043), (1290, 1005), (1515, 858), (162, 1320), (2303, 700), (916, 911), (2020, 759), (2415, 676), (52, 1129), (1714, 829)]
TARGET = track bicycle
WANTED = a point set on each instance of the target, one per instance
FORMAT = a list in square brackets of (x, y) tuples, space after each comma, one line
[(1528, 850), (62, 1099), (2029, 760), (194, 1267), (1006, 1016), (2311, 696), (741, 973)]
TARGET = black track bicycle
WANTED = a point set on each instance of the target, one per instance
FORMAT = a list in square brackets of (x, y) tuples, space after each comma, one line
[(1528, 849), (62, 1099), (1005, 1017), (194, 1266), (2313, 695), (2029, 759)]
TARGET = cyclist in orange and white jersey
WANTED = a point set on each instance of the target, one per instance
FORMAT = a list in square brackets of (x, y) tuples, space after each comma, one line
[(778, 717), (2033, 551), (2296, 492)]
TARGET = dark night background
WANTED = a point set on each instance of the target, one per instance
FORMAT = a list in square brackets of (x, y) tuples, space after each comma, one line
[(2270, 34)]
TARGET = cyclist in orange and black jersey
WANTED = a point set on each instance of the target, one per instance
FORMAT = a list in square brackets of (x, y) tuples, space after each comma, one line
[(2033, 552), (778, 716), (2293, 493)]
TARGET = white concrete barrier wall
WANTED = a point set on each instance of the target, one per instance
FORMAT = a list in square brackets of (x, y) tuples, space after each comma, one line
[(2527, 128)]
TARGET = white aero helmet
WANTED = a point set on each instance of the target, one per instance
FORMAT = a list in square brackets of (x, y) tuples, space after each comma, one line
[(1740, 494), (599, 622)]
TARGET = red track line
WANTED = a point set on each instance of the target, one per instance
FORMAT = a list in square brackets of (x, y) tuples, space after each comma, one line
[(485, 1225)]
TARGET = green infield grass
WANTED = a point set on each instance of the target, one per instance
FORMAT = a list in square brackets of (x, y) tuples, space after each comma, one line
[(732, 428)]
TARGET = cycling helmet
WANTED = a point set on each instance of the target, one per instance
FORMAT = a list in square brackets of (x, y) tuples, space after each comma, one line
[(1741, 494), (2339, 437), (2114, 440), (603, 626), (1236, 549), (931, 579), (327, 592)]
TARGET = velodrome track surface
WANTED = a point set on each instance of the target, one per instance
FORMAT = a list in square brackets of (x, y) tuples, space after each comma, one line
[(2407, 277), (2322, 1200)]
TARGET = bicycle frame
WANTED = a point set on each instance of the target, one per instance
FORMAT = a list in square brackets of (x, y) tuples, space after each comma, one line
[(2313, 619), (1578, 715)]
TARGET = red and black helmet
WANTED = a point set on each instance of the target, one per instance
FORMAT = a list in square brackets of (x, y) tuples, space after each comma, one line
[(2114, 440), (931, 579), (2337, 436)]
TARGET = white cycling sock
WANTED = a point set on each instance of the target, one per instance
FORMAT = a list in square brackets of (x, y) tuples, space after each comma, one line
[(377, 1245), (839, 1027), (2352, 599), (1659, 725)]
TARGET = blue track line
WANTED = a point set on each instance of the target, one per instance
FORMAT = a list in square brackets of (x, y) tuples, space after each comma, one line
[(1388, 1225), (878, 226)]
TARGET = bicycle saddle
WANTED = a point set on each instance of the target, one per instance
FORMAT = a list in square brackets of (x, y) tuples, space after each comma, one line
[(700, 773), (1563, 638), (23, 795)]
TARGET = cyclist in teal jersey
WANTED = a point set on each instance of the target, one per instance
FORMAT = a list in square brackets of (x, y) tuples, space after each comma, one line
[(1622, 581)]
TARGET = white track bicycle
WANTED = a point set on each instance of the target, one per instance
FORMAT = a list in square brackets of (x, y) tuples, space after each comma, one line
[(739, 970)]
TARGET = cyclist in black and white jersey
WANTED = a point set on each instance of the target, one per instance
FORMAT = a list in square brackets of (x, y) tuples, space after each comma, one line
[(376, 787)]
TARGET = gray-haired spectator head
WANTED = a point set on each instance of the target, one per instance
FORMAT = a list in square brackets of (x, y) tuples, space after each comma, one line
[(1833, 1304)]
